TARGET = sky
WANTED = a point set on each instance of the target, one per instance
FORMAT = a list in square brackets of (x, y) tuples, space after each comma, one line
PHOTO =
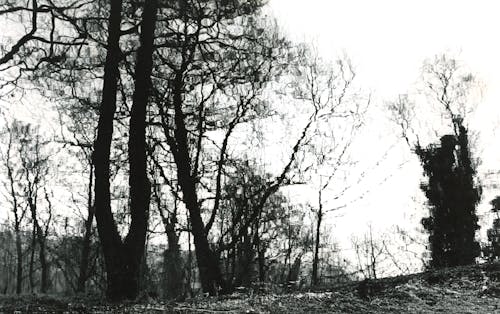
[(388, 40)]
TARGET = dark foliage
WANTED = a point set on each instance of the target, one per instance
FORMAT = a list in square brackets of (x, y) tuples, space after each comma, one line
[(452, 197)]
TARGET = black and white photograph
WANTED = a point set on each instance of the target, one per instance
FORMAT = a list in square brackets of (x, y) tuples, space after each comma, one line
[(250, 156)]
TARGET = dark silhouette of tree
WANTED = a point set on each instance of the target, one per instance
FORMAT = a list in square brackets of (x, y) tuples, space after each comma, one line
[(123, 257), (452, 197), (213, 66)]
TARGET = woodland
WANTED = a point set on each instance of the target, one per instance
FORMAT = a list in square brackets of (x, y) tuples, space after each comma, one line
[(164, 151)]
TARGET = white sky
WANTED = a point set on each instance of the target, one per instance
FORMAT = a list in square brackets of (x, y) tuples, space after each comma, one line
[(387, 41)]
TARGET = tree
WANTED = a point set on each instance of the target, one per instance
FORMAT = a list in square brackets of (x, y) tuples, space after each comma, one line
[(203, 88), (123, 258), (326, 157), (452, 197), (452, 191)]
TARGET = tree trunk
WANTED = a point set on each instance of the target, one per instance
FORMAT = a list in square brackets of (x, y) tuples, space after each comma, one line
[(32, 261), (44, 285), (173, 267), (208, 266), (123, 258), (294, 273), (19, 256), (108, 234), (262, 265), (316, 248), (87, 238), (40, 238), (140, 187)]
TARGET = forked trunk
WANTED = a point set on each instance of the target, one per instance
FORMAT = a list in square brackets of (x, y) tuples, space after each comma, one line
[(123, 258)]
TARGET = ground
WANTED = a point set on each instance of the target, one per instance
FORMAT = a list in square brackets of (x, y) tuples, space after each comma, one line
[(473, 289)]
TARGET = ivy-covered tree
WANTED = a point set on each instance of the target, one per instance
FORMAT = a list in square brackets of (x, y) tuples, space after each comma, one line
[(452, 197), (452, 91)]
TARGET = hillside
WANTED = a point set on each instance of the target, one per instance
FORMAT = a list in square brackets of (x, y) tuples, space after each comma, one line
[(472, 289)]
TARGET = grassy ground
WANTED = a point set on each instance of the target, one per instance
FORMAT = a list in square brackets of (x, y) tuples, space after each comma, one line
[(474, 289)]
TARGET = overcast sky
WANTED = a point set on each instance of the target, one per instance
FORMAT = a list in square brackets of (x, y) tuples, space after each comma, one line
[(388, 40)]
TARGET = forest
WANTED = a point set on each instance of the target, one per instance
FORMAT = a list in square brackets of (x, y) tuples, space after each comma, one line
[(156, 150)]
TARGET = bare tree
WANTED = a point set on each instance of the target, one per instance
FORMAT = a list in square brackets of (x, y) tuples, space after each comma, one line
[(326, 157)]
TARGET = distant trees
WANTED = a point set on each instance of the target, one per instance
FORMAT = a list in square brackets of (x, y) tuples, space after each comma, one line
[(452, 190), (18, 210), (26, 160)]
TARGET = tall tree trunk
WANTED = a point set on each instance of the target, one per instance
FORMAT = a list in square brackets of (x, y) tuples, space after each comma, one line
[(140, 187), (316, 247), (261, 251), (208, 266), (262, 265), (108, 234), (123, 258), (87, 238), (44, 265), (19, 256), (190, 262), (32, 261), (40, 238), (173, 266)]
